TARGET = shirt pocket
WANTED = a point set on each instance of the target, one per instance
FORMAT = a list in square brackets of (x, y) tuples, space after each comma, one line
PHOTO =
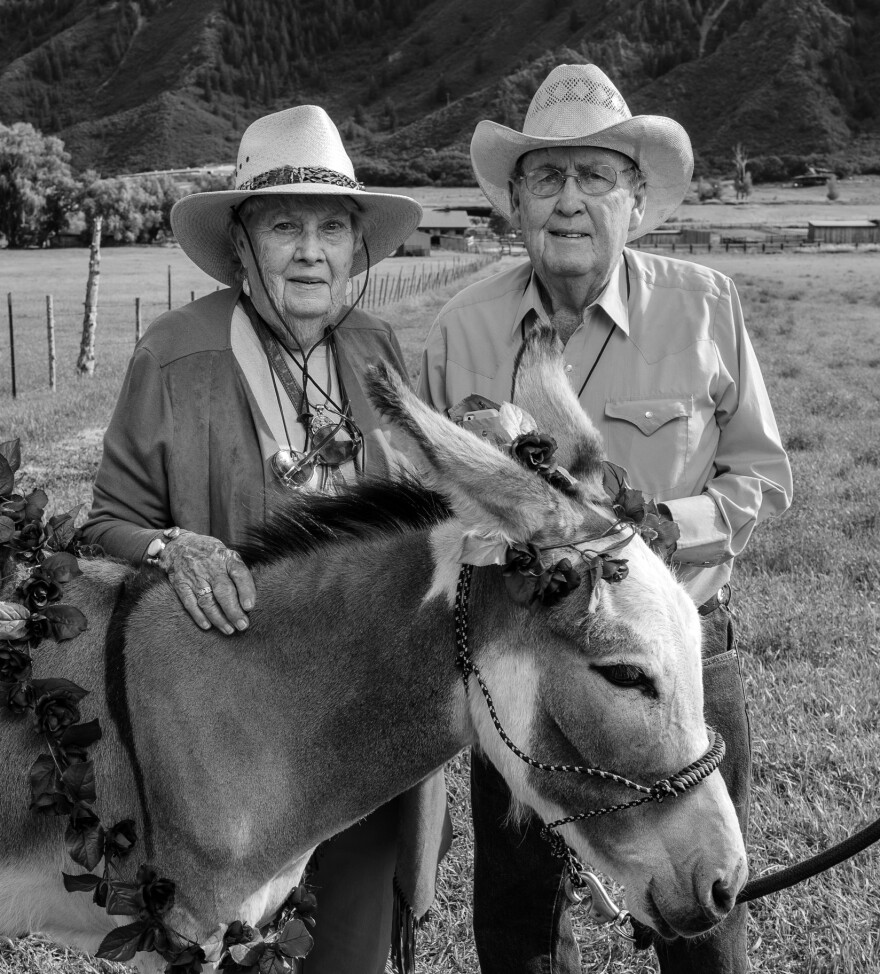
[(650, 438)]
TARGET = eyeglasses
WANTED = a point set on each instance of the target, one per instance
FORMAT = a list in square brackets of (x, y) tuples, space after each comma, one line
[(332, 446), (594, 181)]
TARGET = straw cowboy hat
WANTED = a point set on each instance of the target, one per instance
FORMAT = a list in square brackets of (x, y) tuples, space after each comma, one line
[(294, 152), (578, 105)]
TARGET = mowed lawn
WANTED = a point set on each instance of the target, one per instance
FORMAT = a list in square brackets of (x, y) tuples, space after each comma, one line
[(806, 591)]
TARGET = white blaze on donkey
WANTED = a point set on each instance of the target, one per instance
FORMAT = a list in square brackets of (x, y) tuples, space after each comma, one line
[(344, 692)]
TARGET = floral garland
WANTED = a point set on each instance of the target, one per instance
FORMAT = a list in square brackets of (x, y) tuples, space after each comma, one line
[(62, 781), (528, 580), (659, 531)]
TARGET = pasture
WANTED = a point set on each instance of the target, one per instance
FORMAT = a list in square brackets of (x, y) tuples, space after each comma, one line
[(806, 592)]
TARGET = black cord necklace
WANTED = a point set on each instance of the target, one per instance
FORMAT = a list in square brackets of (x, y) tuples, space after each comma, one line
[(297, 394)]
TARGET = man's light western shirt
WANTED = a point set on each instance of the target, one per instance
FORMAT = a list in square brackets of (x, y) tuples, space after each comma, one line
[(677, 394)]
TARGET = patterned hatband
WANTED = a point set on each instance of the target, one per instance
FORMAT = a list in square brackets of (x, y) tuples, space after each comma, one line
[(287, 175)]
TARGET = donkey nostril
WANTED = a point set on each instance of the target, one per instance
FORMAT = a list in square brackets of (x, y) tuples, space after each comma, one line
[(723, 898)]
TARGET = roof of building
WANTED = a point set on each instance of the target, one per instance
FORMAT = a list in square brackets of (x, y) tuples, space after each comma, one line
[(842, 223), (451, 219)]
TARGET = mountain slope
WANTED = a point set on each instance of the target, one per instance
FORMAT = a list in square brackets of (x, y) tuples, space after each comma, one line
[(168, 83)]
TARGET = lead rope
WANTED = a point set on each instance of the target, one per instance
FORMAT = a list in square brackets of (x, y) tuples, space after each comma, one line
[(602, 907)]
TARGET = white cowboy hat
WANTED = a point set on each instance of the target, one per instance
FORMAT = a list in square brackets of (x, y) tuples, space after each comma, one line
[(297, 151), (577, 104)]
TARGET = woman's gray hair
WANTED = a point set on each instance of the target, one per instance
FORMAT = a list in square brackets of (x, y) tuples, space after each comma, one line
[(257, 205)]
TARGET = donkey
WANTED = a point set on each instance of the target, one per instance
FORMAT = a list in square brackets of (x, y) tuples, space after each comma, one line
[(344, 691)]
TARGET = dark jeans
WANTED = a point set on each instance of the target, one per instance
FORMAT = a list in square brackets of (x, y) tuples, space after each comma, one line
[(521, 913)]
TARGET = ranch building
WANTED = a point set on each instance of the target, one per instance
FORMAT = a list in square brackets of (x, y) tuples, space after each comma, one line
[(843, 231), (417, 244), (439, 223)]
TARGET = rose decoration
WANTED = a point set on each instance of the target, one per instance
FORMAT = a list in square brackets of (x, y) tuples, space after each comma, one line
[(62, 782), (558, 582), (155, 893), (39, 590), (120, 839), (658, 530), (55, 711), (20, 696), (535, 452), (15, 665)]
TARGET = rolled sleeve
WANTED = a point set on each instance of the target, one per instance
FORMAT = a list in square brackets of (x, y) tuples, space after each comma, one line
[(130, 504)]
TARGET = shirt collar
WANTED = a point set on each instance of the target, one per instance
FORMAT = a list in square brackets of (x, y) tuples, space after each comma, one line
[(612, 300)]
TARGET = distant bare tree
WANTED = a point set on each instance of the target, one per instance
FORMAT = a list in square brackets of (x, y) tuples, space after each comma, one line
[(743, 181), (709, 20)]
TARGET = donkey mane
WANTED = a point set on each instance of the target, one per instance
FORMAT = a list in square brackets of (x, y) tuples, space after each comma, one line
[(373, 507)]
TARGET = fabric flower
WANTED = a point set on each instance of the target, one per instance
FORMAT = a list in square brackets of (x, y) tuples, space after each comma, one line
[(39, 590), (14, 665), (614, 569), (558, 582), (55, 711), (20, 696), (535, 451), (156, 893), (120, 839), (28, 540)]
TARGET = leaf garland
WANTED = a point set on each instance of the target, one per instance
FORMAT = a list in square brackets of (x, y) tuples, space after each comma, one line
[(62, 781)]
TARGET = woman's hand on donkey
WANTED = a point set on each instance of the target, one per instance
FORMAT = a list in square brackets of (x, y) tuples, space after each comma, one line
[(213, 583)]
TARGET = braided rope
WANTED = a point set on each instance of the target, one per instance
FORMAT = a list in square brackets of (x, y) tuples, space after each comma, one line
[(669, 787)]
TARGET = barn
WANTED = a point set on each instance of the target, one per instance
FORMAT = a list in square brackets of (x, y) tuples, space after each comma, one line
[(843, 231)]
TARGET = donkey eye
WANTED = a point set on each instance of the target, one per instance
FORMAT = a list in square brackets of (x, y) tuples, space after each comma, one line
[(625, 675)]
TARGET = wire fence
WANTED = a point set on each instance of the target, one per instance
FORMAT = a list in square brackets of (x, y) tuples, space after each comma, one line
[(44, 311), (390, 285)]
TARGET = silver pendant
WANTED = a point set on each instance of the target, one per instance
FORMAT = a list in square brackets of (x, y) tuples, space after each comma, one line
[(290, 469)]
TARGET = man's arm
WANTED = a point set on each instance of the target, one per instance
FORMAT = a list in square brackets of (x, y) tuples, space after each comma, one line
[(752, 478)]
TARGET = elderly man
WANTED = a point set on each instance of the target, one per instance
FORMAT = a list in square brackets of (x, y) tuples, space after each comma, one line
[(659, 357)]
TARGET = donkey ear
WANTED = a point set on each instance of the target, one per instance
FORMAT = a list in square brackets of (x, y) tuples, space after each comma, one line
[(487, 489), (542, 388)]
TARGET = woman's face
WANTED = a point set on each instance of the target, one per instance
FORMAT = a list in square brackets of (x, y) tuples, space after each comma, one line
[(304, 248)]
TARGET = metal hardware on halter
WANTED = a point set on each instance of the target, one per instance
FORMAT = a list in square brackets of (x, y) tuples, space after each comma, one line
[(601, 908)]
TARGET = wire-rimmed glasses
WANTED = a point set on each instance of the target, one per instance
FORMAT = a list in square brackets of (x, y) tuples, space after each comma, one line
[(593, 180)]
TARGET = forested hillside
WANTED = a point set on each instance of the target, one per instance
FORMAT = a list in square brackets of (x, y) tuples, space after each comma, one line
[(165, 83)]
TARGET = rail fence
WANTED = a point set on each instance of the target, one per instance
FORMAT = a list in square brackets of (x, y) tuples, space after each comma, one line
[(745, 246)]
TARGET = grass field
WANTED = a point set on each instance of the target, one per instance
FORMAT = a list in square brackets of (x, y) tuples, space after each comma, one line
[(807, 598)]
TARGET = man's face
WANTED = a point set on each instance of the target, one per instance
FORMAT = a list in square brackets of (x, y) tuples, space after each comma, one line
[(573, 235)]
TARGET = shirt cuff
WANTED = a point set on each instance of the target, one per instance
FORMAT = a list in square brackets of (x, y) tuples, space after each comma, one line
[(704, 535)]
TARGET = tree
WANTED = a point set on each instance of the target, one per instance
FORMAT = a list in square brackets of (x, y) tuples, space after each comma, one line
[(37, 190), (158, 195), (111, 206), (743, 180)]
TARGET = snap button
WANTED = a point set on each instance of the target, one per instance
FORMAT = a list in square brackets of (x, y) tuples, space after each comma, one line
[(648, 414), (568, 368)]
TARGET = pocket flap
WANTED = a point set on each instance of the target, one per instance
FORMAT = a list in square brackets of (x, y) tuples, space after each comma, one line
[(648, 414)]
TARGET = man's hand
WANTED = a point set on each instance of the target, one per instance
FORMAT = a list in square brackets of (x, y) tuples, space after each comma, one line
[(213, 583)]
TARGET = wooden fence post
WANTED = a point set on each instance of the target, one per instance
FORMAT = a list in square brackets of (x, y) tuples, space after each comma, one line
[(50, 335), (137, 320), (169, 287), (11, 342)]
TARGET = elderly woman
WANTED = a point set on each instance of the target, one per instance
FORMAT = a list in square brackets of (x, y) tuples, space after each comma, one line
[(258, 389)]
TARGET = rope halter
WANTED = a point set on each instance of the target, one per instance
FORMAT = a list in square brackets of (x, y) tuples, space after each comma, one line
[(670, 787)]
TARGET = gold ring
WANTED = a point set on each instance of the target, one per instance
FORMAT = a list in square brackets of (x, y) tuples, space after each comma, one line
[(200, 593)]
